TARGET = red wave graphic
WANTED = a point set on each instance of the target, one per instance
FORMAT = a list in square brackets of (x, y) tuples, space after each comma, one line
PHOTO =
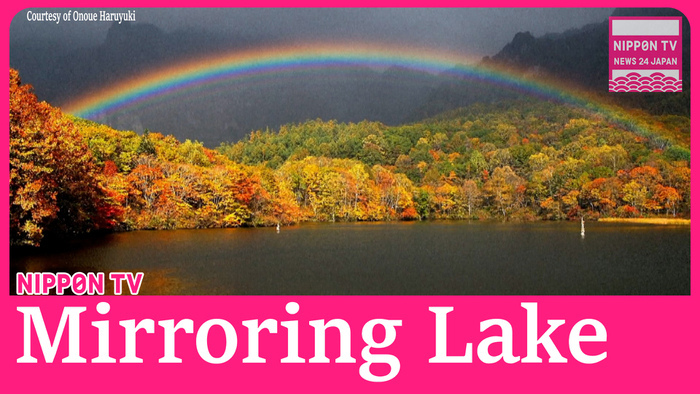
[(656, 82)]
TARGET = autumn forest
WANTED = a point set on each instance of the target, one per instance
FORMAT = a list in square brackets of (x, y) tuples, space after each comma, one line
[(518, 160)]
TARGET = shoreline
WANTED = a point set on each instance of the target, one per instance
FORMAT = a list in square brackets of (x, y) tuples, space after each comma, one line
[(658, 221), (62, 241)]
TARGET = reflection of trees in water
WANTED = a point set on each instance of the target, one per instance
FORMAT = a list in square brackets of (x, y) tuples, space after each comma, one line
[(405, 258), (162, 282)]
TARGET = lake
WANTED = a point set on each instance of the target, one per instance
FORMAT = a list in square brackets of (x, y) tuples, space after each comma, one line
[(398, 258)]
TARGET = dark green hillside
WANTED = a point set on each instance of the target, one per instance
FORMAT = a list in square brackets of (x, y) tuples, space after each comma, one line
[(521, 158)]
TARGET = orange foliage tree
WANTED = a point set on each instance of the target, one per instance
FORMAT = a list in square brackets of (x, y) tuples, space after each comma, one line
[(54, 187)]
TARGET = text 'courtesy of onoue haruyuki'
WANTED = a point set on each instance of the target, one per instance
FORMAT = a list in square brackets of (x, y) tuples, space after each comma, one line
[(645, 55)]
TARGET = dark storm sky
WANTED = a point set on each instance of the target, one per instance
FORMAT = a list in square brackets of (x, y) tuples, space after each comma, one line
[(63, 61), (474, 31)]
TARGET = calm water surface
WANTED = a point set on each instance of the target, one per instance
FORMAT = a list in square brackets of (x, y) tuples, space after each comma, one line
[(407, 258)]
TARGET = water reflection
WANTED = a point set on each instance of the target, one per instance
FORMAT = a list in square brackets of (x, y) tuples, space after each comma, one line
[(388, 258)]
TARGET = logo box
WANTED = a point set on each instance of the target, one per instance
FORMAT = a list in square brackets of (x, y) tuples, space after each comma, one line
[(645, 54)]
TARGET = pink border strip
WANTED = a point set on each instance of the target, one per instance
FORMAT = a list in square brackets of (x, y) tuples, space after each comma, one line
[(652, 342)]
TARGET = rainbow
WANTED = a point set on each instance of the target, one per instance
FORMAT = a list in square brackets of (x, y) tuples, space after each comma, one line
[(252, 65)]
